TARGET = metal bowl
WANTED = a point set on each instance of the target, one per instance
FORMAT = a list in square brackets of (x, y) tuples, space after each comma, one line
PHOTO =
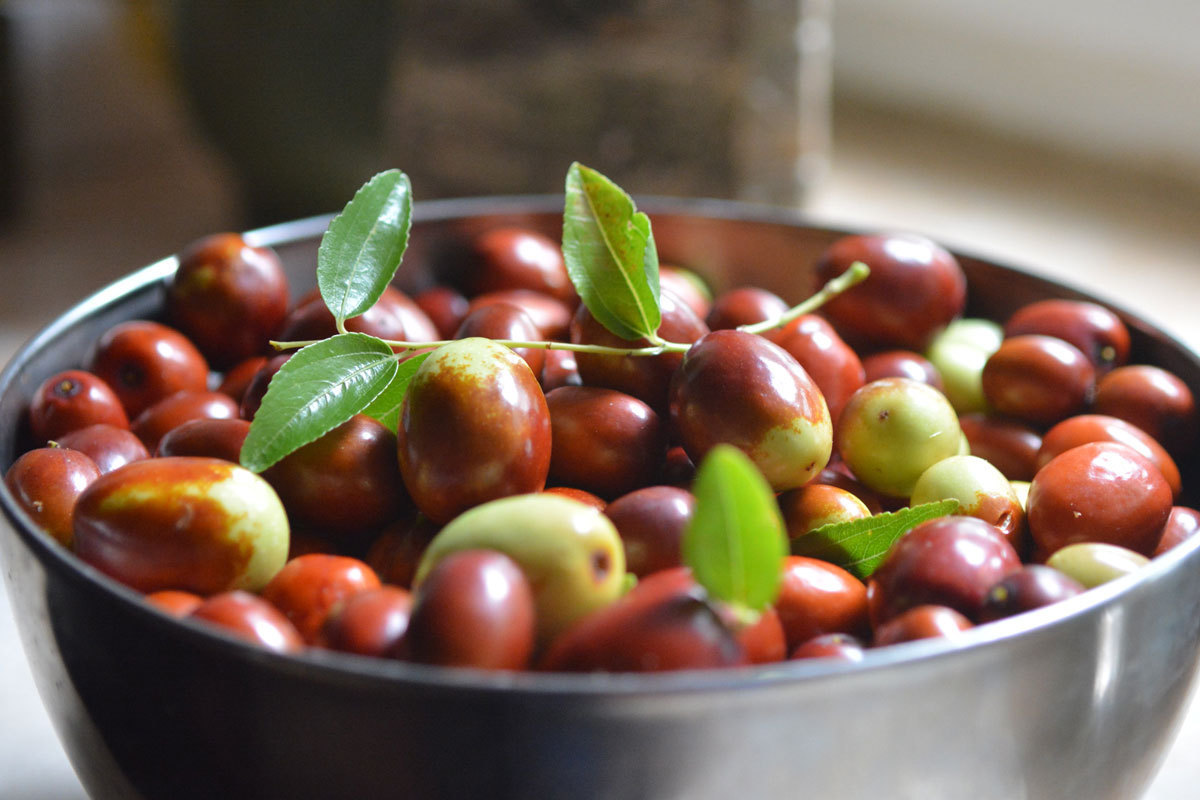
[(1076, 700)]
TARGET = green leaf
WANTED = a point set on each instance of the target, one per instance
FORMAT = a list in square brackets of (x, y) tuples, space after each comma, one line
[(859, 546), (363, 246), (386, 407), (317, 389), (736, 541), (610, 255)]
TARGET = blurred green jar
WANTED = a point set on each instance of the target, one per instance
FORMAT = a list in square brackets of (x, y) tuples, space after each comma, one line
[(716, 98)]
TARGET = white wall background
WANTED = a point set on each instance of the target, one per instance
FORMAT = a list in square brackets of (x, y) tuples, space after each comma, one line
[(1113, 79)]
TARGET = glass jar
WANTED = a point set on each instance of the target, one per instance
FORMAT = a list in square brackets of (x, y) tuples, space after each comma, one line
[(309, 98), (714, 98)]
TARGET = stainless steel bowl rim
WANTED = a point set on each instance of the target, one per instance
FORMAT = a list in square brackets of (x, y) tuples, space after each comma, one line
[(340, 666)]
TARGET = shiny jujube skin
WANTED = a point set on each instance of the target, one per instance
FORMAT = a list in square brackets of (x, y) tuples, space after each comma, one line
[(687, 286), (171, 412), (145, 362), (950, 561), (580, 495), (923, 622), (679, 469), (551, 316), (474, 427), (1085, 428), (252, 618), (570, 552), (199, 524), (1095, 563), (345, 483), (1032, 586), (1097, 332), (370, 623), (663, 623), (397, 550), (738, 388), (229, 298), (475, 609), (445, 306), (214, 438), (815, 504), (981, 490), (1182, 524), (507, 322), (647, 378), (841, 646), (651, 522), (915, 289), (894, 429), (257, 387), (517, 258), (603, 441), (1154, 400), (72, 400), (109, 446), (744, 305), (838, 475), (1010, 446), (46, 482), (829, 361), (308, 587), (1098, 492), (762, 641), (817, 597), (174, 602), (235, 382), (560, 369), (394, 316), (901, 364), (1038, 379)]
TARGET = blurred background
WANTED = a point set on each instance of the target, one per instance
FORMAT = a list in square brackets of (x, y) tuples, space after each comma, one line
[(1062, 137)]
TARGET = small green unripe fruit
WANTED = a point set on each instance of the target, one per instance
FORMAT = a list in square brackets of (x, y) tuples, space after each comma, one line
[(893, 429), (983, 334), (570, 552), (981, 491), (1094, 563), (959, 353)]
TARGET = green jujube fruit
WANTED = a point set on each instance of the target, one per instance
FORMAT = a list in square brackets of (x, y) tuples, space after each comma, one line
[(959, 353), (893, 429), (570, 552), (1094, 563)]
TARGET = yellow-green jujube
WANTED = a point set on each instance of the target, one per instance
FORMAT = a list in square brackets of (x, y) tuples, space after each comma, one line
[(959, 352), (894, 429), (981, 491), (1094, 563), (570, 552)]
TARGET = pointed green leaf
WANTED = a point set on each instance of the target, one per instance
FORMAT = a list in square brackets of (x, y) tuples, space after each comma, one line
[(317, 389), (860, 546), (386, 407), (363, 246), (610, 255), (736, 541)]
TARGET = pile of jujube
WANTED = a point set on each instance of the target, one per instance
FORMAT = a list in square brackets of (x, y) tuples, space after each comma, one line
[(443, 543)]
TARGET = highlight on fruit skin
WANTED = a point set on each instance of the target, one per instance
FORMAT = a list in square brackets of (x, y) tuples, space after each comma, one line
[(203, 525)]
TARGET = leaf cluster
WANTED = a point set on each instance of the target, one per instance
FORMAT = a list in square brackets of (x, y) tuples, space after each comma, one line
[(736, 542)]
